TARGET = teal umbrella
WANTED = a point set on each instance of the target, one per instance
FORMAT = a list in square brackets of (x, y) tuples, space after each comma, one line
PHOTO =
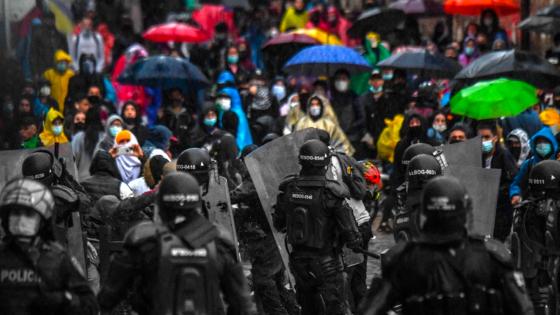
[(494, 99)]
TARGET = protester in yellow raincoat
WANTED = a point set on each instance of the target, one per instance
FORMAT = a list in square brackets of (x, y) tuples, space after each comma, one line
[(315, 119), (295, 112), (295, 17), (53, 130), (59, 77)]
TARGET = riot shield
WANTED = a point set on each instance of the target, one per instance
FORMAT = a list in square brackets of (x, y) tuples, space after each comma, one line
[(268, 166), (482, 185), (218, 204), (10, 167), (467, 153)]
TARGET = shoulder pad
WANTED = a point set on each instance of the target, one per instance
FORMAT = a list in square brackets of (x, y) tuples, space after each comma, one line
[(140, 233), (286, 180), (392, 255), (337, 188), (498, 250), (65, 194)]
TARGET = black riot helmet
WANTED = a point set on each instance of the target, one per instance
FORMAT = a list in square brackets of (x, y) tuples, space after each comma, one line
[(28, 194), (544, 179), (314, 154), (416, 149), (178, 195), (445, 207), (420, 170), (41, 166), (197, 162)]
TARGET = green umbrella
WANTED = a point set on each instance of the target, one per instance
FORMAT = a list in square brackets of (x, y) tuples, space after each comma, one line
[(494, 99)]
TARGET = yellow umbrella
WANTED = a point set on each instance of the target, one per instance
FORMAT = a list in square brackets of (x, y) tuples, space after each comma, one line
[(322, 36)]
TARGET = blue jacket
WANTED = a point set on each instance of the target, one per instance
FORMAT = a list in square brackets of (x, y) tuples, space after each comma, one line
[(519, 184), (243, 137)]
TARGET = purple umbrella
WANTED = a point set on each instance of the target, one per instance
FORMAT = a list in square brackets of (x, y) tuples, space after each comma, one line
[(419, 7)]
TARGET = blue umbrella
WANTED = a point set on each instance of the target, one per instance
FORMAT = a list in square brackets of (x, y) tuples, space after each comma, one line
[(326, 60), (164, 72)]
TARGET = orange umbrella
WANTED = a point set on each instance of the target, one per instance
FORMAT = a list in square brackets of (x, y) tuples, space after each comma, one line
[(475, 7)]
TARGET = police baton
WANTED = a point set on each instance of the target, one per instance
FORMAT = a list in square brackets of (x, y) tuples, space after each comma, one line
[(367, 253)]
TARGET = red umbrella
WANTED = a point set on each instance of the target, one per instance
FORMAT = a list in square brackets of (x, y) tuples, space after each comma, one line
[(475, 7), (176, 32)]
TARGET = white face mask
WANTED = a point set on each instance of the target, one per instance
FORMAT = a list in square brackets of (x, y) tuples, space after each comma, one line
[(315, 111), (22, 225), (225, 104), (439, 128), (341, 85), (45, 91)]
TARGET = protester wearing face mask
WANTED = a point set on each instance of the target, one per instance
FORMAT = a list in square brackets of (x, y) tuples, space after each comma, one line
[(279, 90), (180, 119), (128, 154), (437, 134), (43, 102), (374, 52), (59, 77), (53, 130), (90, 42), (315, 118), (350, 114), (87, 77), (490, 26), (470, 51), (130, 113), (517, 142), (113, 126), (543, 147), (232, 65), (79, 123), (496, 156)]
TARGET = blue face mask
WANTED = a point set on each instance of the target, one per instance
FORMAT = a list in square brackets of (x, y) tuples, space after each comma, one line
[(61, 67), (279, 91), (210, 122), (543, 149), (57, 130), (376, 90), (387, 76), (487, 146), (232, 59), (469, 51), (114, 130)]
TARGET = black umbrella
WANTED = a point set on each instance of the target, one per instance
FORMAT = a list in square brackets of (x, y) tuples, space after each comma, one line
[(513, 64), (424, 63), (379, 20), (546, 21), (419, 7)]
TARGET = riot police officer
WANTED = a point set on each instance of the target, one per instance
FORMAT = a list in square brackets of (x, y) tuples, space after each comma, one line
[(420, 169), (198, 163), (311, 209), (444, 271), (179, 266), (37, 276), (536, 236)]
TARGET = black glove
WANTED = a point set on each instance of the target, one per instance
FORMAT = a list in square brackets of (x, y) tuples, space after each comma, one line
[(51, 302)]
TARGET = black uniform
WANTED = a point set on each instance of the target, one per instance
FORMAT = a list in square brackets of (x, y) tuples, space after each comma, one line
[(444, 271), (34, 281), (311, 209), (181, 266), (267, 268)]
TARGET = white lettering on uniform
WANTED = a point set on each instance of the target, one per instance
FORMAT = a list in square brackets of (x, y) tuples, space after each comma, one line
[(185, 252), (302, 196), (440, 204), (19, 276)]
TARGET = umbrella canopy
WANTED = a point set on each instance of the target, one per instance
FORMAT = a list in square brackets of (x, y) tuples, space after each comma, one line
[(319, 35), (418, 7), (424, 63), (546, 21), (494, 99), (176, 32), (289, 40), (513, 64), (379, 20), (475, 7), (325, 60), (164, 72)]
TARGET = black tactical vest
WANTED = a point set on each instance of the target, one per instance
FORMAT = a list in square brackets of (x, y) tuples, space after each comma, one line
[(309, 225)]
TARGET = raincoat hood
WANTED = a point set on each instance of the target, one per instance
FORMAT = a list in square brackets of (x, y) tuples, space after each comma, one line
[(243, 134), (225, 77), (321, 102), (47, 136), (523, 138), (545, 133), (60, 55)]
